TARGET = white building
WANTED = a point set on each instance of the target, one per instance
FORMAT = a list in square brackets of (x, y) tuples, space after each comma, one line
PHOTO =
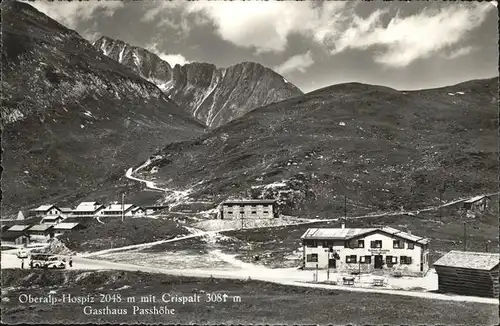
[(138, 211), (87, 209), (117, 209), (47, 210), (54, 219), (61, 228), (249, 209), (365, 250)]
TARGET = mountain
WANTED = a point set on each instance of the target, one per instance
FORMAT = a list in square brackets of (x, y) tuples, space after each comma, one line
[(381, 148), (73, 119), (212, 95)]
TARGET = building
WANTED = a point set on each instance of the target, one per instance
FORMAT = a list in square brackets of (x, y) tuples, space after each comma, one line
[(365, 250), (468, 273), (149, 210), (478, 203), (87, 209), (41, 232), (15, 238), (61, 228), (117, 210), (18, 228), (138, 211), (249, 209), (51, 220), (47, 210)]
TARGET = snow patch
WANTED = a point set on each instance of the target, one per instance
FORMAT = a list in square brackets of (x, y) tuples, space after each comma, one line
[(341, 123), (461, 93), (451, 94), (82, 126), (286, 81)]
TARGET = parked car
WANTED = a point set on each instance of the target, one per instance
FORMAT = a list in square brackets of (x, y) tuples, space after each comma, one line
[(46, 261)]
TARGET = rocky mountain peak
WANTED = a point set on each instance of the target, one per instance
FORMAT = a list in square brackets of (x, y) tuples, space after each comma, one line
[(212, 95)]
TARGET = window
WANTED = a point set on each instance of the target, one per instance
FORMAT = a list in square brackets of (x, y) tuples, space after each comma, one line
[(398, 244), (368, 259), (230, 212), (266, 212), (376, 244), (230, 205), (390, 260), (405, 260), (254, 205), (361, 243), (312, 258), (254, 212), (411, 245), (350, 259)]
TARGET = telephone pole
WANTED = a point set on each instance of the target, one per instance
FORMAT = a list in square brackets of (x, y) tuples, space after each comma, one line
[(465, 237), (345, 209), (123, 207)]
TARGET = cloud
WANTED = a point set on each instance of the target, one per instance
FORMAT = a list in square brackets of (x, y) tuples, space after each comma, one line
[(460, 52), (407, 39), (70, 13), (298, 62), (172, 59), (266, 25)]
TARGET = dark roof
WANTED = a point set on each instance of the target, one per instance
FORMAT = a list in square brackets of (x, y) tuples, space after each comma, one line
[(155, 206), (12, 235), (250, 201)]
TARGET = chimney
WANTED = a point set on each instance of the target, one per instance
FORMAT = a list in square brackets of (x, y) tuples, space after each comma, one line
[(342, 225), (409, 232)]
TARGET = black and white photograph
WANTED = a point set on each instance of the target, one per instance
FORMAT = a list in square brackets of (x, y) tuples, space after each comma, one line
[(250, 162)]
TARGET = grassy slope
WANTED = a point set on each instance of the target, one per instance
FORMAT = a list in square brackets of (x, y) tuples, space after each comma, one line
[(260, 302), (395, 149), (114, 233)]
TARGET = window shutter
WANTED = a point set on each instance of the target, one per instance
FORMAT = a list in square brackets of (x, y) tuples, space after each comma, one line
[(408, 260)]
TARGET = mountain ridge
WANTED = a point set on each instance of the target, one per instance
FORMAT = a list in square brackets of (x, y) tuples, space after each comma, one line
[(211, 94), (73, 119)]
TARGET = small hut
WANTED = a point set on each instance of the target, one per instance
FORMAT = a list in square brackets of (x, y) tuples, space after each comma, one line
[(468, 273)]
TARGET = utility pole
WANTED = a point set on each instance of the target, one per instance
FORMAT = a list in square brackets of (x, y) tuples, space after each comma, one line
[(488, 245), (345, 209), (441, 206), (465, 237), (123, 206)]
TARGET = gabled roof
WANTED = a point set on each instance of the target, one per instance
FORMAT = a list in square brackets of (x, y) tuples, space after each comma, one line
[(404, 235), (470, 260), (136, 208), (52, 218), (18, 228), (65, 226), (45, 208), (334, 233), (40, 228), (87, 207), (475, 199), (249, 201), (349, 233)]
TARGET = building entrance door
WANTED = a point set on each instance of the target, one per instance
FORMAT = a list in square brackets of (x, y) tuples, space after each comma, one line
[(332, 263), (378, 261)]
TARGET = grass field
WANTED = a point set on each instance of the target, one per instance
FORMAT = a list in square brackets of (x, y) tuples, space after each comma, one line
[(261, 302), (115, 233)]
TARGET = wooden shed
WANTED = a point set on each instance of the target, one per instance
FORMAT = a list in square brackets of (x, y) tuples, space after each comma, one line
[(468, 273)]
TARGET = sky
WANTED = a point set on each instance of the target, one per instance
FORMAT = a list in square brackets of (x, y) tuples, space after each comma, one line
[(313, 44)]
